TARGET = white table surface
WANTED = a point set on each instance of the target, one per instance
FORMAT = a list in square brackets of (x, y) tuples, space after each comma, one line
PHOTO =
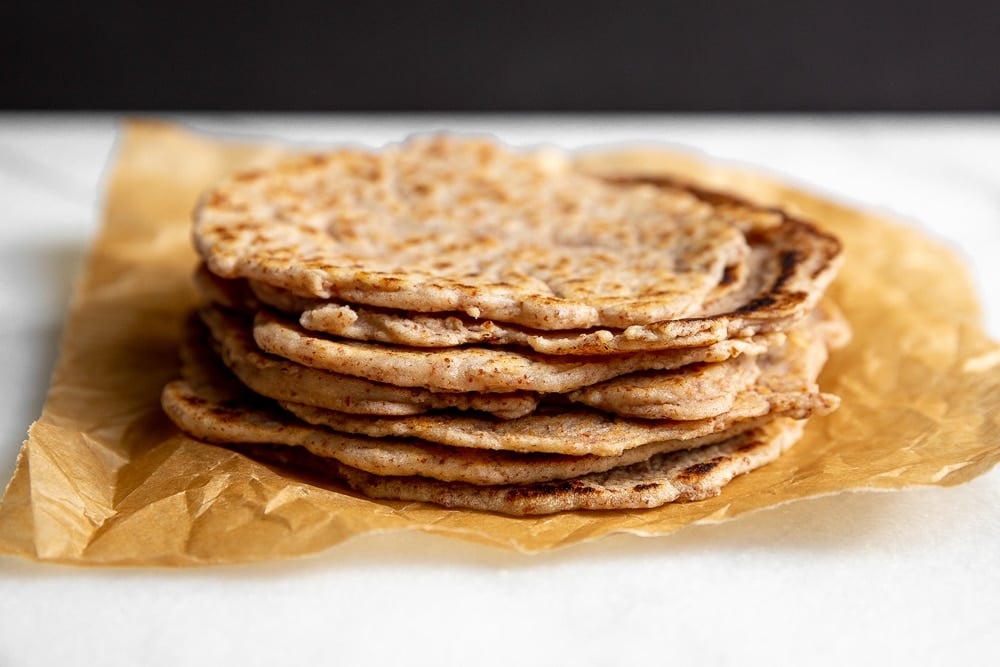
[(867, 578)]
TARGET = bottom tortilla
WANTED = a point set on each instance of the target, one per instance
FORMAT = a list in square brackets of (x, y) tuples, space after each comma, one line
[(683, 476)]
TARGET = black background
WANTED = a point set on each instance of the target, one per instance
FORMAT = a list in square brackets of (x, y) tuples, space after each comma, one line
[(502, 56)]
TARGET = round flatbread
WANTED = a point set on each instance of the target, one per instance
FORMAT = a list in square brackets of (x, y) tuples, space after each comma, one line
[(696, 391), (209, 404), (786, 387), (684, 476), (447, 224), (788, 267), (471, 368), (284, 380)]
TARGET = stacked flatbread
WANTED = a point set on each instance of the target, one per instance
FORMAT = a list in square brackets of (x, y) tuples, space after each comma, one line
[(449, 321)]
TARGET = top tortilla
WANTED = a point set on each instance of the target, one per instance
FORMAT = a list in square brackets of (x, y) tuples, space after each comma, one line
[(442, 224), (789, 266)]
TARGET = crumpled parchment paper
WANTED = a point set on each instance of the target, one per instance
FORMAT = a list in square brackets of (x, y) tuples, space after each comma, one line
[(104, 478)]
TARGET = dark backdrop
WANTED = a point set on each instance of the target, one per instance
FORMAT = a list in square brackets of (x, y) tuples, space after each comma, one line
[(558, 55)]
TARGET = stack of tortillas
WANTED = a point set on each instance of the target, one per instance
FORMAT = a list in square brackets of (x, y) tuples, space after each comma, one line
[(454, 322)]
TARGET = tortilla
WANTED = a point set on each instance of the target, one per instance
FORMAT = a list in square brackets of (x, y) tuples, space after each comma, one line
[(211, 405), (790, 265), (447, 224), (786, 387), (684, 476), (474, 368), (284, 380), (208, 404)]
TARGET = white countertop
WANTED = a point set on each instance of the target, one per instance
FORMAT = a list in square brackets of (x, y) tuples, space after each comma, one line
[(867, 578)]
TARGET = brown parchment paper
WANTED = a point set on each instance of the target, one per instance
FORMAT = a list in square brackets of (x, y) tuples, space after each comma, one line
[(104, 478)]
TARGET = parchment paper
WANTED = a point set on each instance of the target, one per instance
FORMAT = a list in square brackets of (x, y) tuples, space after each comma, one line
[(104, 478)]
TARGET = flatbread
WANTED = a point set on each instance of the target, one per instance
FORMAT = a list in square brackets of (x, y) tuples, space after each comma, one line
[(691, 392), (705, 390), (445, 224), (284, 380), (211, 405), (786, 388), (698, 391), (447, 321), (789, 266), (366, 323), (571, 431), (684, 476), (475, 369)]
